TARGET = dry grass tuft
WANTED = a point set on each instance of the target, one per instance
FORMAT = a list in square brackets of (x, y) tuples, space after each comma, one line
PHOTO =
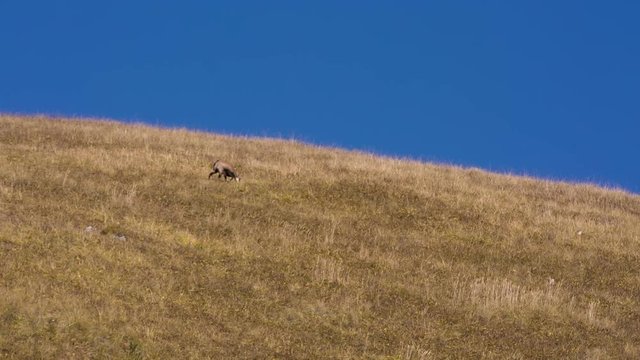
[(414, 352), (489, 297)]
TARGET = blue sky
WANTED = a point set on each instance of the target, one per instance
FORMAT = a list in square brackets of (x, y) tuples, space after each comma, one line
[(544, 88)]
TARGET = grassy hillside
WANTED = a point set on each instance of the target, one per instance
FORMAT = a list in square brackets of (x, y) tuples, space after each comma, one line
[(114, 244)]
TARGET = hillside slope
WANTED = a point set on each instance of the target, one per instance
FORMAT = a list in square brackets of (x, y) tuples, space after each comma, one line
[(113, 243)]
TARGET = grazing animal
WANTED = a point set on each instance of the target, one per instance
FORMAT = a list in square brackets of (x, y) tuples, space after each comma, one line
[(223, 169)]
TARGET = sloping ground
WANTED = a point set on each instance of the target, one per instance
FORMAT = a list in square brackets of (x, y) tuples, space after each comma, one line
[(113, 243)]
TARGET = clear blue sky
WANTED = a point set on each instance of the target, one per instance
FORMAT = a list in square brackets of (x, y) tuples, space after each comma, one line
[(545, 88)]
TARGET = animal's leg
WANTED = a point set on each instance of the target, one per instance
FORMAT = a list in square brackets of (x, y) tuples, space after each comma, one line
[(229, 173)]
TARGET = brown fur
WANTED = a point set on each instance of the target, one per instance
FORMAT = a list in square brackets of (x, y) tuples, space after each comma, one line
[(224, 169)]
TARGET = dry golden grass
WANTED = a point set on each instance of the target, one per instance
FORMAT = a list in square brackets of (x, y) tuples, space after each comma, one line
[(317, 253)]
